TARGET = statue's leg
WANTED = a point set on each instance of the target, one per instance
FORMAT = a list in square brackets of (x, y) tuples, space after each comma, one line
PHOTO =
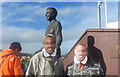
[(59, 51)]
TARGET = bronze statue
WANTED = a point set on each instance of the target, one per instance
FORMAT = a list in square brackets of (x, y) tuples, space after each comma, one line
[(54, 27)]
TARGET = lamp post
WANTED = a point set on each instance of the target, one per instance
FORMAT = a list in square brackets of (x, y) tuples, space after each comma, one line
[(106, 14), (99, 14)]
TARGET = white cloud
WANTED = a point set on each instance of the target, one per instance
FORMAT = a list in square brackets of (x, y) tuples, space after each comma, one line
[(27, 12), (21, 34), (67, 45), (29, 38), (80, 16), (72, 34), (24, 19), (0, 33), (0, 25), (79, 10)]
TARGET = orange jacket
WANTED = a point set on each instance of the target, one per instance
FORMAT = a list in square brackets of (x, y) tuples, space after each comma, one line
[(9, 63)]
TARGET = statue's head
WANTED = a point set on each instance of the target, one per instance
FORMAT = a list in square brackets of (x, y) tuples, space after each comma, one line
[(51, 13)]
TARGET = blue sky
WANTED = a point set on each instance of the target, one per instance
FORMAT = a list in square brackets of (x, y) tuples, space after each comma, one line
[(25, 22)]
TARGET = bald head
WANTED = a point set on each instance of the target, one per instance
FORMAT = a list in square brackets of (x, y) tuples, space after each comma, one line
[(81, 47)]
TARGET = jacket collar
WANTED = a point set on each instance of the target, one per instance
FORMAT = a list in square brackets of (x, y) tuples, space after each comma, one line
[(47, 55), (83, 62)]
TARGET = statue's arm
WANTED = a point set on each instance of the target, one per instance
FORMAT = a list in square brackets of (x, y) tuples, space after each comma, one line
[(58, 34)]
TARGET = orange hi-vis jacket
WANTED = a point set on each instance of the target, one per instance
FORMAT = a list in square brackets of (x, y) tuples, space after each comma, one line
[(9, 63)]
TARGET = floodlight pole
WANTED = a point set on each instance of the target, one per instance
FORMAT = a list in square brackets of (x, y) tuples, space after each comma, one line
[(106, 14), (99, 14)]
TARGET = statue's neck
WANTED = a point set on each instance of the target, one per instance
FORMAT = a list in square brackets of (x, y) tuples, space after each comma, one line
[(52, 20)]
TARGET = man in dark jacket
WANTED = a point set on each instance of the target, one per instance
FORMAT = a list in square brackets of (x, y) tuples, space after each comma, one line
[(83, 65)]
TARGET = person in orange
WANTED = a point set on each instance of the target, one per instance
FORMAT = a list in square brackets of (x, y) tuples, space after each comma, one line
[(9, 62)]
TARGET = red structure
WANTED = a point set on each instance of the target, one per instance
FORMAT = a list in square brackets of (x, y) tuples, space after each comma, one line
[(104, 46)]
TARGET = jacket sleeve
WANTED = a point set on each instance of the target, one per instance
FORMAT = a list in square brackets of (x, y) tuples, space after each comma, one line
[(17, 67), (97, 70), (30, 71), (69, 69), (101, 71)]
